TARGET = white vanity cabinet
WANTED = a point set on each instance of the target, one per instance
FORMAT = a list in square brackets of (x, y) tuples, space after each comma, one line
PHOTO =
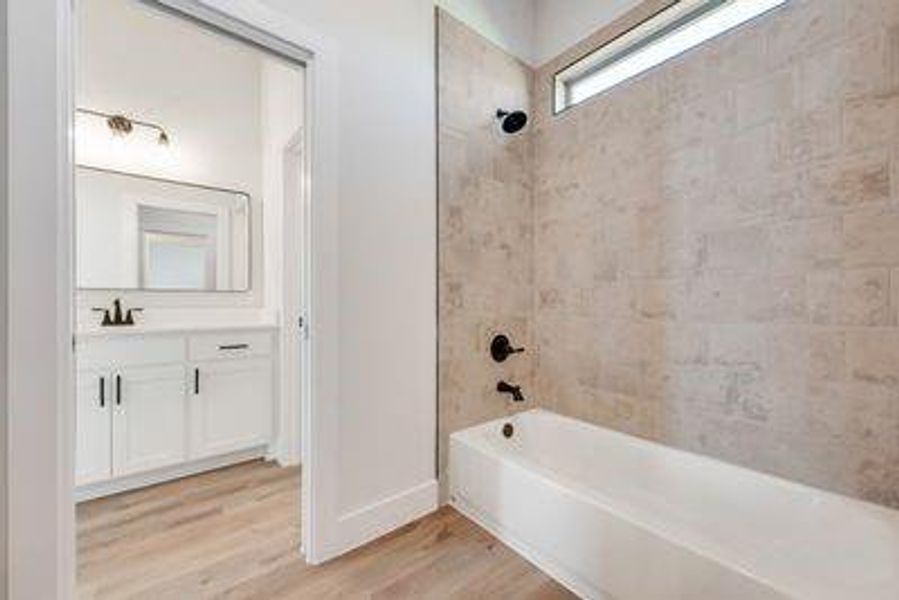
[(149, 419), (93, 424), (226, 415), (151, 407), (229, 377)]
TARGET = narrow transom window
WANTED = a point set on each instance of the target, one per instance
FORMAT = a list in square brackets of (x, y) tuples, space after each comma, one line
[(670, 32)]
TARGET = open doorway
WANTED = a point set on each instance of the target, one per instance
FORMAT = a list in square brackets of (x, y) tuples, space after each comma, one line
[(192, 285)]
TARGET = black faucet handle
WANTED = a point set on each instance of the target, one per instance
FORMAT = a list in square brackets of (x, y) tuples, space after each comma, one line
[(107, 319), (501, 348), (118, 318), (129, 316)]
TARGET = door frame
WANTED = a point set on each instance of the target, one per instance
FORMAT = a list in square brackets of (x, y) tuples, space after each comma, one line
[(293, 347), (40, 393)]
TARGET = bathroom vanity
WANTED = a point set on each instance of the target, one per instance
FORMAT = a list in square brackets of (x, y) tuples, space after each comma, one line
[(153, 405), (185, 382)]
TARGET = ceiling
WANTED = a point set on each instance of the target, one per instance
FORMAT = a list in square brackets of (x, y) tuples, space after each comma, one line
[(536, 30)]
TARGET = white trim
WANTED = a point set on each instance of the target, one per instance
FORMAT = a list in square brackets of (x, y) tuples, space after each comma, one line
[(141, 480), (41, 444), (379, 518), (4, 291), (293, 347)]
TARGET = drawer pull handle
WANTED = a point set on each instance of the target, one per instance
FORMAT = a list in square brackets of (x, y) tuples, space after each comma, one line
[(102, 392), (235, 347), (196, 382), (118, 390)]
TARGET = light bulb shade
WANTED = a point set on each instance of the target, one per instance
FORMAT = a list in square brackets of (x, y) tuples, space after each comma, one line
[(120, 125)]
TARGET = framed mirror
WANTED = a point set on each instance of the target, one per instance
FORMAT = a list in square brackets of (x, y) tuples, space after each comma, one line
[(140, 233)]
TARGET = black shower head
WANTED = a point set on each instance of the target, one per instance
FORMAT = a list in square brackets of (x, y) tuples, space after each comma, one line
[(512, 122)]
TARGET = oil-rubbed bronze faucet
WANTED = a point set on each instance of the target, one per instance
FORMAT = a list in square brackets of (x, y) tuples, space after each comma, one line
[(501, 348), (117, 318), (515, 390)]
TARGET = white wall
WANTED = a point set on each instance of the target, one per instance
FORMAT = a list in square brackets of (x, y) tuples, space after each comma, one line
[(281, 115), (205, 89), (509, 24), (559, 24), (387, 246), (4, 235)]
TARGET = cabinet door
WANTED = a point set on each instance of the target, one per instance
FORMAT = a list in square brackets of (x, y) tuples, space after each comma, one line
[(93, 427), (149, 418), (231, 406)]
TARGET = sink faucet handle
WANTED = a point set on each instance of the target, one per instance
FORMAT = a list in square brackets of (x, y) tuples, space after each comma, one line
[(107, 319), (129, 316)]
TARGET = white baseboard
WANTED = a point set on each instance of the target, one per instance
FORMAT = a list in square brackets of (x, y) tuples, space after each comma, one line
[(133, 482), (368, 523), (284, 459)]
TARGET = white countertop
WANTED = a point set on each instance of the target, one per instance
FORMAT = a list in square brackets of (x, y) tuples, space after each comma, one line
[(97, 331)]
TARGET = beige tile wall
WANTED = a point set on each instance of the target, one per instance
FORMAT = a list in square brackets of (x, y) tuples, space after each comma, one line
[(707, 256), (717, 248), (485, 227)]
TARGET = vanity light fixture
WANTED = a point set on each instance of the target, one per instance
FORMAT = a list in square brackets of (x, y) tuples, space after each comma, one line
[(122, 126)]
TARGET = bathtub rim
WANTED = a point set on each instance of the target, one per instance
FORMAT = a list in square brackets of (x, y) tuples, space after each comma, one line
[(467, 436)]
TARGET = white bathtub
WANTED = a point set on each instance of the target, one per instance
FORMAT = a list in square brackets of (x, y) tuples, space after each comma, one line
[(611, 516)]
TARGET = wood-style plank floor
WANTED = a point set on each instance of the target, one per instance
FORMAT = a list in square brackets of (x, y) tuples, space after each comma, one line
[(233, 533)]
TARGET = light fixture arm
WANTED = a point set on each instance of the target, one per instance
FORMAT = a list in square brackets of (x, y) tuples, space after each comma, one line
[(121, 125)]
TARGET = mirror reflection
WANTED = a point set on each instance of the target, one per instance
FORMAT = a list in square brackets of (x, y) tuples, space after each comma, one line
[(136, 232)]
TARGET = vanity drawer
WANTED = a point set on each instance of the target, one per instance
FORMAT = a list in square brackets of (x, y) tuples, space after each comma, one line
[(215, 346), (131, 351)]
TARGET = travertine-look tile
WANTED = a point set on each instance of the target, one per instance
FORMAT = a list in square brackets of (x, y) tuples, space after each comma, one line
[(485, 229), (759, 253), (762, 101), (850, 182), (803, 245), (871, 239), (850, 297), (740, 250), (871, 121), (893, 56)]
